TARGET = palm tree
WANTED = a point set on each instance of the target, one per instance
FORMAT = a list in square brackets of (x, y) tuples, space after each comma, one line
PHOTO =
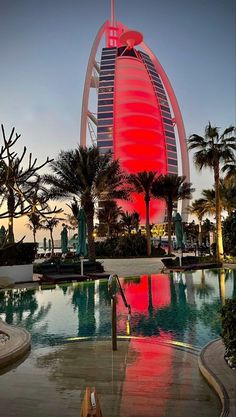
[(227, 191), (171, 188), (230, 170), (34, 224), (50, 224), (37, 201), (228, 195), (129, 221), (142, 183), (86, 174), (108, 215), (211, 151), (136, 220), (199, 209)]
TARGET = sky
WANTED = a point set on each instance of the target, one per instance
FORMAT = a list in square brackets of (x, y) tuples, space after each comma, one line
[(44, 51)]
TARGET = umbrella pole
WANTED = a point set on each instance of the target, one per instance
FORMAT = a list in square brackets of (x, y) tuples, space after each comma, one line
[(180, 257), (82, 265)]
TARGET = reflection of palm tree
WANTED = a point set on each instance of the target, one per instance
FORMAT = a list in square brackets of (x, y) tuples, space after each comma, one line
[(35, 324), (178, 315), (222, 286), (147, 324), (172, 318), (203, 289), (223, 275), (182, 295), (150, 304), (83, 300), (15, 304), (209, 314), (234, 283)]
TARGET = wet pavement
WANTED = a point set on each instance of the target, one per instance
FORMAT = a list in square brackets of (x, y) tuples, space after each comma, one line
[(143, 378)]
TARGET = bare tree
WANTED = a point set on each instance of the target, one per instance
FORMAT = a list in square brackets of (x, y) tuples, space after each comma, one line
[(17, 184)]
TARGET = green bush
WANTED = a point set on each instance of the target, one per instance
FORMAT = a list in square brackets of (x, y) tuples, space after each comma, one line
[(189, 260), (228, 315), (18, 254), (229, 234), (126, 246), (67, 266)]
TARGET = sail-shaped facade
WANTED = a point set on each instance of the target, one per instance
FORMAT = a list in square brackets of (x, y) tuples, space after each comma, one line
[(138, 117)]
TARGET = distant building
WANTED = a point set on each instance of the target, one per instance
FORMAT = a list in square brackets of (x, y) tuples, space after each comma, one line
[(138, 118)]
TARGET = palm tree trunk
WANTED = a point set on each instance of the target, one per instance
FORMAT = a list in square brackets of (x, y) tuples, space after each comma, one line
[(52, 252), (219, 239), (34, 235), (148, 234), (200, 232), (10, 207), (91, 244), (169, 221)]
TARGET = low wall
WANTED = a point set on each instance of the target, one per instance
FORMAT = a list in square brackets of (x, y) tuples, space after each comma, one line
[(17, 273), (17, 345)]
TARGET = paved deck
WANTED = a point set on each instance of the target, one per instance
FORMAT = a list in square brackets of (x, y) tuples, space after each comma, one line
[(132, 267), (219, 375)]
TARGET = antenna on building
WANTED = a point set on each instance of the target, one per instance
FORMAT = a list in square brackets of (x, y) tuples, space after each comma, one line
[(112, 13)]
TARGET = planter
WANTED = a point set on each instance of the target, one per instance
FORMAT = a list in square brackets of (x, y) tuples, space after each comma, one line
[(17, 273)]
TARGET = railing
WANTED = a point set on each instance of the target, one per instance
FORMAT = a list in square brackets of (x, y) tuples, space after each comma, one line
[(113, 283)]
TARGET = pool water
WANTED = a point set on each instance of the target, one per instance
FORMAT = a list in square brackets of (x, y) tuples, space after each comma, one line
[(182, 307)]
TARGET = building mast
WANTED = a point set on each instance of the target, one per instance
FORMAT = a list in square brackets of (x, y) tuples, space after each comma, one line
[(112, 13)]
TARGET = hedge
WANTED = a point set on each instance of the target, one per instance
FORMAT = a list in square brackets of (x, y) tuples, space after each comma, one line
[(18, 254), (228, 316)]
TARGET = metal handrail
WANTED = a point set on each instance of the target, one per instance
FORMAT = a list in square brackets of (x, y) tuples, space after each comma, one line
[(120, 289), (112, 292)]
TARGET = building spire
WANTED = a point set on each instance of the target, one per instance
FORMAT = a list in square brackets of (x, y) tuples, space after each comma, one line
[(112, 13)]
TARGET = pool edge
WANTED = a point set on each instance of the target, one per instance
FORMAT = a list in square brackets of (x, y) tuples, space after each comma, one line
[(19, 343)]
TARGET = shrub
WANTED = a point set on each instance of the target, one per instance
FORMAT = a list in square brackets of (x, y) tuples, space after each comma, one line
[(72, 266), (133, 245), (18, 254), (228, 315), (189, 260), (126, 246), (229, 234)]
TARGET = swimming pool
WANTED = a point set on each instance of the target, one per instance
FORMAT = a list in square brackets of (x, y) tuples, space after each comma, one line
[(183, 307)]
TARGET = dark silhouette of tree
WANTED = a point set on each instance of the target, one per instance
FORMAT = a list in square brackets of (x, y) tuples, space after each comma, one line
[(211, 151), (49, 223), (171, 188), (108, 216), (90, 176), (17, 183), (130, 221), (142, 183)]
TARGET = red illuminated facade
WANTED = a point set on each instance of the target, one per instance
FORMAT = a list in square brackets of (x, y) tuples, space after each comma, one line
[(136, 111)]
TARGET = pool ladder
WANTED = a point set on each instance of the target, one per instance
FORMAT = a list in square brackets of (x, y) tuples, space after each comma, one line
[(113, 283)]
